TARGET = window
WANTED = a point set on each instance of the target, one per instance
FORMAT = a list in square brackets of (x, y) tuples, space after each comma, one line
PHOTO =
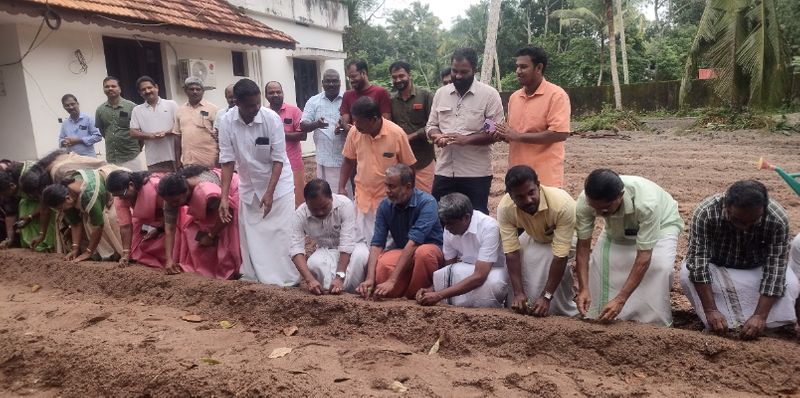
[(239, 65)]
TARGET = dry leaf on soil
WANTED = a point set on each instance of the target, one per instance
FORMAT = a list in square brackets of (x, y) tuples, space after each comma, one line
[(210, 361), (435, 348), (226, 324), (280, 352), (35, 288), (290, 331), (398, 387), (193, 318)]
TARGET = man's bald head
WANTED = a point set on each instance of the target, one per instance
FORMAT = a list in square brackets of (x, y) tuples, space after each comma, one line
[(229, 96)]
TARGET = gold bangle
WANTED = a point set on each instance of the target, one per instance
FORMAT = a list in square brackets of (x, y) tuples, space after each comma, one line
[(74, 245)]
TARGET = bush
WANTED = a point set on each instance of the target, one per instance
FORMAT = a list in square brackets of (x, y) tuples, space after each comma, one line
[(612, 119), (729, 119)]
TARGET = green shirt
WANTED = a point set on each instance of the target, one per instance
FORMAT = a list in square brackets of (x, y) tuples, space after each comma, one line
[(647, 214), (412, 116), (114, 124)]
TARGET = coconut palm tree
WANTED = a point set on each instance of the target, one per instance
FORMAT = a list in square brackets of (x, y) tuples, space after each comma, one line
[(742, 41)]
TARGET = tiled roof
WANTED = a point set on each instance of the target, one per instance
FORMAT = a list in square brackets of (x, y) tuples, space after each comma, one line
[(211, 19)]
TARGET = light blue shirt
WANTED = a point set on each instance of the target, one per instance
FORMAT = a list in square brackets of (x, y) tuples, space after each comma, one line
[(83, 128), (328, 144)]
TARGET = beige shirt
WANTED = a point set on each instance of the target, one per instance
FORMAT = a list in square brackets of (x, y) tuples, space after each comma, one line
[(195, 126), (452, 113)]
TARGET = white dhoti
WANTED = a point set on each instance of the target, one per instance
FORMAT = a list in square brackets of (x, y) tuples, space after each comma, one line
[(323, 262), (736, 293), (265, 242), (794, 255), (492, 294), (331, 175), (536, 260), (609, 268), (365, 224)]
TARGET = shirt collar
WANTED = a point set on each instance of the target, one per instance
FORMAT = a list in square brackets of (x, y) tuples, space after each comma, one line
[(325, 97), (473, 223), (412, 94), (258, 119), (542, 201), (147, 104), (470, 90), (627, 202), (200, 104), (412, 202), (539, 90)]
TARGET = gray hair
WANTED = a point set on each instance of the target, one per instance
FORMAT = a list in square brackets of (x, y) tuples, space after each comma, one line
[(192, 80), (454, 206), (406, 174)]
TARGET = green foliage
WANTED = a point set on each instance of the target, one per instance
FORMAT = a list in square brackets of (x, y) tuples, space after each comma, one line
[(729, 119), (612, 119)]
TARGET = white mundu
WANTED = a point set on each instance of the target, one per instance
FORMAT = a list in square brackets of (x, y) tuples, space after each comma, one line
[(536, 260), (480, 242)]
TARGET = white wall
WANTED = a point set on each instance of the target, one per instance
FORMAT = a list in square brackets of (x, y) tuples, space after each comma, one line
[(15, 134), (326, 14)]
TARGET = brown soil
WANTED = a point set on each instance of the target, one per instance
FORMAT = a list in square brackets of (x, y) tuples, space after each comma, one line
[(95, 330)]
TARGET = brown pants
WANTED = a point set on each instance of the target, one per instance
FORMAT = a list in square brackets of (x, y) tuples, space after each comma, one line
[(426, 260)]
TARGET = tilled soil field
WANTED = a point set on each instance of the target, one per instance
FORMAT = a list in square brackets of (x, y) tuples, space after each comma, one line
[(95, 330)]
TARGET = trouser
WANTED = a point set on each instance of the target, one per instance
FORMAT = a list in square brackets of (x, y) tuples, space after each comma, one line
[(736, 294), (476, 189), (491, 294), (331, 175), (424, 177), (323, 262), (425, 261)]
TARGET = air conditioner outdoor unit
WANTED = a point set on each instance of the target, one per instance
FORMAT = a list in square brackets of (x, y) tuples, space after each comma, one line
[(200, 68)]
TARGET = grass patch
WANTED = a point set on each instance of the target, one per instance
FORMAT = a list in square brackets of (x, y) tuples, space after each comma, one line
[(612, 119), (728, 119)]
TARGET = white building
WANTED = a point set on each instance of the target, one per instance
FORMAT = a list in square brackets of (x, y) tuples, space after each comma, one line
[(52, 47)]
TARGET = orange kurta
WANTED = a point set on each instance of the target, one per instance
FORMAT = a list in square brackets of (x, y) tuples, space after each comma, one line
[(547, 109)]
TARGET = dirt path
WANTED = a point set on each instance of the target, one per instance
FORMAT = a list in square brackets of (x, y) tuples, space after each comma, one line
[(94, 330)]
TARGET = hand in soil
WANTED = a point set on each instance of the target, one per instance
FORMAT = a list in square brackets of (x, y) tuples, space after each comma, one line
[(541, 307), (36, 241), (583, 300), (716, 322), (172, 268), (384, 288), (753, 327), (428, 297), (520, 303), (365, 288), (336, 285), (83, 257), (612, 309), (314, 287), (123, 262)]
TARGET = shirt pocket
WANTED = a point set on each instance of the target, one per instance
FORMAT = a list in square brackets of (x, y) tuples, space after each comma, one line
[(471, 118), (263, 150), (387, 159)]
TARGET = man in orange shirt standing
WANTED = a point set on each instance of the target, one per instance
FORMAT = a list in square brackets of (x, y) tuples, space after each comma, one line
[(538, 120), (372, 146)]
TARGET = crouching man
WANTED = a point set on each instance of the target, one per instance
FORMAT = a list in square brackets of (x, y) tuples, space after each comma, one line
[(475, 273), (339, 259), (735, 272)]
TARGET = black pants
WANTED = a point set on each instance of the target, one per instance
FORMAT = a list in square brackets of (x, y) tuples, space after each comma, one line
[(476, 189)]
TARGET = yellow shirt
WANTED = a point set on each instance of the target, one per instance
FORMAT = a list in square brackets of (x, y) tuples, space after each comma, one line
[(194, 124), (553, 223)]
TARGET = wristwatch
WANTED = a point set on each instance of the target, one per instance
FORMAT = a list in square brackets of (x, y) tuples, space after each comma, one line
[(547, 296), (340, 274)]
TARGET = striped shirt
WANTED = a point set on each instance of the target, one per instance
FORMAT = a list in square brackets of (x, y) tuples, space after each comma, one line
[(328, 144), (713, 239)]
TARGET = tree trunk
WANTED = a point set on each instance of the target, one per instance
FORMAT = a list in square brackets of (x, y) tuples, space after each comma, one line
[(612, 50), (491, 41), (546, 17), (623, 46), (497, 72), (602, 60), (656, 6), (528, 28)]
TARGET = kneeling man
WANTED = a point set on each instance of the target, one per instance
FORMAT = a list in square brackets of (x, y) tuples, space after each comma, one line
[(735, 273), (537, 261), (475, 275), (411, 217), (340, 258), (630, 271)]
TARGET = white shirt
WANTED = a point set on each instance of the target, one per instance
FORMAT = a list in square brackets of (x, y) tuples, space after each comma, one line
[(237, 143), (158, 119), (480, 242), (337, 230)]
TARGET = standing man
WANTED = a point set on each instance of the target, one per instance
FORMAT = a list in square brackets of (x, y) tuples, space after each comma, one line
[(475, 274), (194, 123), (735, 272), (537, 261), (411, 107), (290, 117), (340, 257), (411, 217), (78, 131), (460, 117), (321, 116), (358, 75), (252, 137), (231, 100), (113, 119), (538, 120), (373, 145), (153, 122), (629, 275), (445, 76)]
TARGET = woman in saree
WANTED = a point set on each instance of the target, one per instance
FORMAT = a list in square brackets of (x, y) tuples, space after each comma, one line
[(22, 212), (83, 200), (140, 214), (204, 243)]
